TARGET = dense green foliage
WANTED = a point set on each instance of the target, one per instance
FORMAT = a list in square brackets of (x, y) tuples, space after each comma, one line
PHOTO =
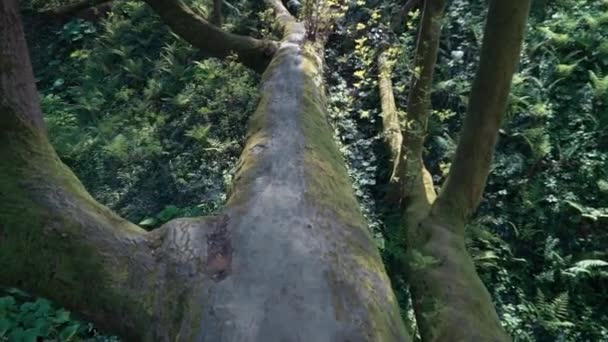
[(153, 130), (25, 319)]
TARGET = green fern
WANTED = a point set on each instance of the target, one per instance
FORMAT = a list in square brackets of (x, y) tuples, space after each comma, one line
[(599, 83), (585, 267)]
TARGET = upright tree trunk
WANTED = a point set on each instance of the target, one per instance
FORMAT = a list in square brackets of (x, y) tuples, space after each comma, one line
[(217, 16), (451, 302), (289, 258)]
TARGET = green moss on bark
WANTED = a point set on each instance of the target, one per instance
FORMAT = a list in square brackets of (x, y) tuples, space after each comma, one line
[(44, 251), (330, 189)]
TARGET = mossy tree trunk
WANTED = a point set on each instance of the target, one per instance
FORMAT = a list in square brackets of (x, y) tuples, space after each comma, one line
[(288, 258), (450, 301)]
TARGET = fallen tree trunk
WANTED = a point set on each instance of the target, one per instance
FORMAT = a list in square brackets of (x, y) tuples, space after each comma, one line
[(289, 258)]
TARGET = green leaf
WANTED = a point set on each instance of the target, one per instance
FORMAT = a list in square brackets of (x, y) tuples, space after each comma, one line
[(68, 332), (44, 307), (61, 316), (43, 326), (5, 326), (30, 335), (6, 303), (148, 222), (168, 213)]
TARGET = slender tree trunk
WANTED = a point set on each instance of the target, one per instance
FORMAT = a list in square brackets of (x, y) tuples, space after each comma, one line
[(217, 16), (451, 302), (411, 190), (289, 258), (415, 182)]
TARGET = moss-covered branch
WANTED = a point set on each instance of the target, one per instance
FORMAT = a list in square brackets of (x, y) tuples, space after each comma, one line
[(391, 126), (298, 219), (425, 59), (417, 192), (57, 241), (210, 39)]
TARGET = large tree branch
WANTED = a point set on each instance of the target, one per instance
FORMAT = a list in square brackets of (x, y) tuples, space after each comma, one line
[(500, 52), (73, 8), (291, 255), (211, 39), (57, 241)]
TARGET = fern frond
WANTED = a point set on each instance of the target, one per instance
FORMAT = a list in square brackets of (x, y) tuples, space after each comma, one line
[(559, 306)]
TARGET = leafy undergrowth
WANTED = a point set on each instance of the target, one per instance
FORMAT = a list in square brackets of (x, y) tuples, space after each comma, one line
[(151, 129), (27, 319)]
